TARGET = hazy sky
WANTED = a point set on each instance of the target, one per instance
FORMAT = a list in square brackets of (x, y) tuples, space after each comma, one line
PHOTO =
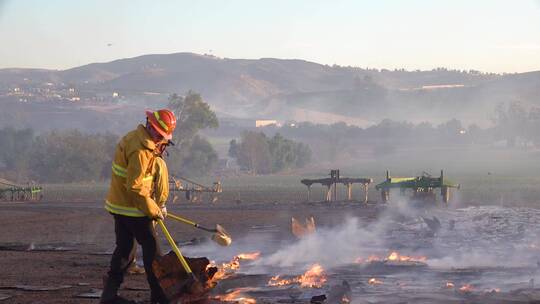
[(486, 35)]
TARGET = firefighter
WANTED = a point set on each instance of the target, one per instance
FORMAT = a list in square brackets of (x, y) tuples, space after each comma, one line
[(160, 194), (131, 204)]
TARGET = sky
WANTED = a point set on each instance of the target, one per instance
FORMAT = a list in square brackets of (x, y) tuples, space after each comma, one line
[(486, 35)]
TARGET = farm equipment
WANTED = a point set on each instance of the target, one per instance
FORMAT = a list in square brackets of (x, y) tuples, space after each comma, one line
[(332, 182), (12, 192), (422, 186), (193, 190)]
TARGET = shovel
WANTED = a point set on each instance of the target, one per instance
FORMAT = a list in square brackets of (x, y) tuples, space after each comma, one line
[(220, 236), (192, 285)]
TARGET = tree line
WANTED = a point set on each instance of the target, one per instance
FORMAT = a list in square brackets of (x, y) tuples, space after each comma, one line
[(74, 156), (514, 124), (57, 156), (259, 154)]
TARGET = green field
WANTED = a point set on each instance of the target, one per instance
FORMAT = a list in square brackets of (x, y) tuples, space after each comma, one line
[(488, 176)]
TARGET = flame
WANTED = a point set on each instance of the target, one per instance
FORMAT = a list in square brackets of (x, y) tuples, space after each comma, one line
[(373, 258), (278, 281), (249, 256), (450, 285), (236, 296), (374, 281), (227, 269), (314, 277), (345, 300), (466, 288), (299, 230), (358, 260), (395, 256)]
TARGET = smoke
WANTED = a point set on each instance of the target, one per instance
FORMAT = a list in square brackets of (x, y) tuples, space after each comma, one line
[(469, 237), (344, 243), (330, 247)]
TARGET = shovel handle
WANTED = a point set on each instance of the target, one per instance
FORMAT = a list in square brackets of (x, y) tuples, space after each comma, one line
[(186, 221), (175, 248)]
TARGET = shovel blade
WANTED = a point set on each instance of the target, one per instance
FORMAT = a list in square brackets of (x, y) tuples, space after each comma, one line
[(221, 236)]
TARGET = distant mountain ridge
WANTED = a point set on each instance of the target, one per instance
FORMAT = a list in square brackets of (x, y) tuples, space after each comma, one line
[(283, 88)]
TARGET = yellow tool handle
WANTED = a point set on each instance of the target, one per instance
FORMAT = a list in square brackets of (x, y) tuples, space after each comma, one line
[(181, 219), (175, 248)]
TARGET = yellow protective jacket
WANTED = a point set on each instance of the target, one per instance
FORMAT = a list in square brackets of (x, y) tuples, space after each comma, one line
[(161, 182), (133, 169)]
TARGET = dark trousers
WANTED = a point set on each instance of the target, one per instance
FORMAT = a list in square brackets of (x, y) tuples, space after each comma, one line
[(141, 229)]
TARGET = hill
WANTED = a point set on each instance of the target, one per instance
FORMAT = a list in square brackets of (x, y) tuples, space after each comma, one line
[(290, 89)]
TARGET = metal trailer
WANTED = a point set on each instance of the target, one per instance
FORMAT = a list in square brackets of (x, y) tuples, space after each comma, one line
[(12, 192), (422, 187), (193, 190), (332, 182)]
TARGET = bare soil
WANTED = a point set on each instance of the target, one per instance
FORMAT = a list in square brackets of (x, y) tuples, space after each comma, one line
[(87, 229)]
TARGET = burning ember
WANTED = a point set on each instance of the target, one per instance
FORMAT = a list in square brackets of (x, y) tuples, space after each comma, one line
[(300, 230), (394, 256), (466, 288), (315, 277), (249, 256), (359, 260), (374, 281), (227, 269), (373, 258), (237, 297)]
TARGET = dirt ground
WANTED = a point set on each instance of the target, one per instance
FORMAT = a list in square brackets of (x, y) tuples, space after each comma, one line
[(87, 229)]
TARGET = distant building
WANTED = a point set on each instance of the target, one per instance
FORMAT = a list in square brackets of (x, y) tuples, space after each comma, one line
[(265, 122), (115, 94), (442, 86)]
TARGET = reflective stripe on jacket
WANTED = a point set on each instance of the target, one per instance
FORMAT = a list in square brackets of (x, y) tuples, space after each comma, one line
[(132, 174)]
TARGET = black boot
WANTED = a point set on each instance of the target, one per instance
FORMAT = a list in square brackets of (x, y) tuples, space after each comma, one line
[(120, 300), (158, 298), (110, 292)]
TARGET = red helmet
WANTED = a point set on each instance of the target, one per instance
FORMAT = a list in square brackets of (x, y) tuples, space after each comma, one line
[(163, 122)]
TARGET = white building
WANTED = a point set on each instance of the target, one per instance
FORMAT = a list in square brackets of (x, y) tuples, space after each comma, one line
[(266, 122)]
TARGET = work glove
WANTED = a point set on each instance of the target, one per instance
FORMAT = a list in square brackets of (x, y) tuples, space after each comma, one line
[(158, 215), (164, 211)]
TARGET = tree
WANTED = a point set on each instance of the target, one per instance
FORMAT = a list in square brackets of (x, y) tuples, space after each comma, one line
[(261, 155), (15, 152), (200, 159), (71, 156), (254, 153), (511, 121), (233, 149), (303, 155), (282, 151), (192, 115)]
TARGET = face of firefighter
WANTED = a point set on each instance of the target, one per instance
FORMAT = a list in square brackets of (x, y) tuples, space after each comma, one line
[(156, 137)]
